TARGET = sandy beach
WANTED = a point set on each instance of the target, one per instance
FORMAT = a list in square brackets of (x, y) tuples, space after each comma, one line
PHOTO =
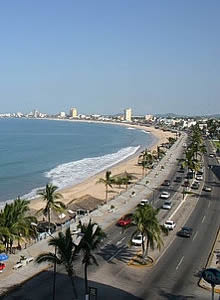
[(90, 186)]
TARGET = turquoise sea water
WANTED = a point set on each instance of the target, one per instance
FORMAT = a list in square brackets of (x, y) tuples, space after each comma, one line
[(35, 152)]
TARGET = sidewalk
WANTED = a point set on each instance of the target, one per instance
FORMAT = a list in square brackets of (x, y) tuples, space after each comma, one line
[(213, 262), (105, 216)]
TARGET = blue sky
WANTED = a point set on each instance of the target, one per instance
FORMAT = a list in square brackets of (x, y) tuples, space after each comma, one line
[(103, 56)]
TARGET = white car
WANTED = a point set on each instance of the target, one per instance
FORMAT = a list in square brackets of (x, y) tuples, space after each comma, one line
[(167, 205), (169, 224), (137, 240), (207, 188), (164, 195), (199, 177), (143, 202)]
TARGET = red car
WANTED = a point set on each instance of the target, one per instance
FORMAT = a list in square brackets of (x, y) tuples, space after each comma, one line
[(2, 266), (125, 220)]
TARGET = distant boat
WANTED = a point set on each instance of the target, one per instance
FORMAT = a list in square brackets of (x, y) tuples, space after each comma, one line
[(132, 128)]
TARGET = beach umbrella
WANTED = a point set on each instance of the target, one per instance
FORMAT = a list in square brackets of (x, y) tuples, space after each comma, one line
[(3, 257)]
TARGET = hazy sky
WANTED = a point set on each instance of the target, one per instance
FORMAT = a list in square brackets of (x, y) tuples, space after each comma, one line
[(103, 56)]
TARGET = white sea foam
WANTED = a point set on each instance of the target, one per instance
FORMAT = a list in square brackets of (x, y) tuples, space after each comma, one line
[(131, 128), (75, 172)]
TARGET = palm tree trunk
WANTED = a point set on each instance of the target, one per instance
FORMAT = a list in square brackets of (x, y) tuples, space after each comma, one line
[(73, 287), (86, 279), (106, 194), (147, 249), (143, 246), (49, 220)]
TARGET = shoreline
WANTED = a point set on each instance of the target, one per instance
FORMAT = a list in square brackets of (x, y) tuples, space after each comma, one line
[(89, 186)]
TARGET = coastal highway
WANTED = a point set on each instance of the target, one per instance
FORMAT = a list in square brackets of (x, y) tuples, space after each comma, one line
[(175, 276)]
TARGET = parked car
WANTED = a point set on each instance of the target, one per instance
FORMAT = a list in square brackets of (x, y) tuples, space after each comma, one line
[(143, 202), (2, 266), (166, 183), (125, 220), (178, 179), (185, 232), (169, 224), (211, 154), (167, 204), (137, 240), (189, 175), (207, 188), (199, 177), (186, 183), (195, 185), (164, 195)]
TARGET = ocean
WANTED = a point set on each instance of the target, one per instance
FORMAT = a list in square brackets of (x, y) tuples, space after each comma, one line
[(35, 152)]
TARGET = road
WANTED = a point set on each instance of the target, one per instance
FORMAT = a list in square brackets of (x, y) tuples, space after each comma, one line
[(175, 276)]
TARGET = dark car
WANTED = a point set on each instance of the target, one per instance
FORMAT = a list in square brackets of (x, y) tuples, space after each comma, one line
[(185, 232), (166, 183), (195, 185), (186, 183), (178, 179), (189, 175), (125, 220)]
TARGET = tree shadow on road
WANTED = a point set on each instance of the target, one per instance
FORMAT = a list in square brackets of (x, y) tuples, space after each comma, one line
[(121, 253), (171, 296), (40, 287)]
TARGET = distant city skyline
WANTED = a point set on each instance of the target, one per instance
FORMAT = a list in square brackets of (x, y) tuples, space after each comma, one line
[(102, 57)]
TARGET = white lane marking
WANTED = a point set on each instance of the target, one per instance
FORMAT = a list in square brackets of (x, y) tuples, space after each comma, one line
[(203, 219), (119, 242), (114, 255), (195, 235), (179, 263), (209, 203)]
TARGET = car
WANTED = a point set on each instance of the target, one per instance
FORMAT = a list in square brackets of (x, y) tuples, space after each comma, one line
[(199, 177), (189, 175), (195, 185), (200, 172), (2, 266), (167, 204), (207, 188), (125, 220), (181, 170), (211, 154), (186, 183), (137, 240), (185, 232), (143, 202), (164, 195), (169, 224), (178, 179), (166, 183)]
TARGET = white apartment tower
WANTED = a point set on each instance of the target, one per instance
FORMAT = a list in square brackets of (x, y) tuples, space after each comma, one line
[(127, 114), (73, 112)]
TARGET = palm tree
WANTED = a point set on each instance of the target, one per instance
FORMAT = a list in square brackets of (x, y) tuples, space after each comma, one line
[(108, 181), (147, 224), (92, 235), (50, 196), (66, 252), (15, 224), (146, 162)]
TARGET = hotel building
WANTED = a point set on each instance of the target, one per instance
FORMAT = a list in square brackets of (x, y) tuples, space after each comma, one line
[(127, 114), (73, 112)]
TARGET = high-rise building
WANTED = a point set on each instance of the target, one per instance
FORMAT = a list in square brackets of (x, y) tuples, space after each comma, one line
[(127, 114), (73, 112)]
